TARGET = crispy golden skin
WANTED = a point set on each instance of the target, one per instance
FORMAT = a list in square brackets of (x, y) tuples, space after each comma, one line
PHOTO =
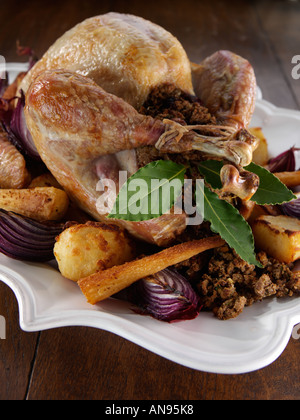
[(126, 55), (104, 284)]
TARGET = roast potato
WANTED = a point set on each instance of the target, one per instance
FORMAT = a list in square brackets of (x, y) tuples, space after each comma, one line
[(261, 154), (278, 236), (84, 249)]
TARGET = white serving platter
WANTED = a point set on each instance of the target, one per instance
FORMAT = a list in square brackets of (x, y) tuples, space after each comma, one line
[(250, 342)]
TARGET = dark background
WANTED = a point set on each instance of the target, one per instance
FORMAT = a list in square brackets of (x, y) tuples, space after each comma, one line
[(85, 363)]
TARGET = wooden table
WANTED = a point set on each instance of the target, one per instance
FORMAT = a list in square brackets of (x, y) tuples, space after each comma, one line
[(84, 363)]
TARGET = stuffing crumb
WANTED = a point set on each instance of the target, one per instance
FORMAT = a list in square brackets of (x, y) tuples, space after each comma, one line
[(229, 284)]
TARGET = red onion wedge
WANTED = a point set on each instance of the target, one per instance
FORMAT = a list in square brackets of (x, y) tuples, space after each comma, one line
[(167, 296), (25, 239), (292, 208), (22, 137), (285, 162)]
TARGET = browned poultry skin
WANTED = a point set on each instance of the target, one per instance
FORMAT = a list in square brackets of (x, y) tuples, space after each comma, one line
[(73, 123), (124, 54), (13, 172), (68, 105), (84, 134), (226, 84)]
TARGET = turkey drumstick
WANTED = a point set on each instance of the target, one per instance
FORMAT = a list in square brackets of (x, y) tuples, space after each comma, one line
[(84, 122), (78, 129), (74, 123), (84, 119)]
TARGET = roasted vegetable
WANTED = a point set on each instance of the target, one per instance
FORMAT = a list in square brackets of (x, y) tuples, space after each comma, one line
[(18, 129), (278, 236), (104, 284), (285, 162), (166, 296), (13, 171), (261, 154), (84, 249), (36, 203), (292, 208), (44, 180), (290, 179), (25, 239)]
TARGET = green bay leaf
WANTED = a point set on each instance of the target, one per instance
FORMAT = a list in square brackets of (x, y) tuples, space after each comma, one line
[(229, 224), (211, 169), (271, 190), (151, 192)]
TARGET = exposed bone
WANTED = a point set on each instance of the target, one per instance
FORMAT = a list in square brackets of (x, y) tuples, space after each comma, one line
[(243, 184), (224, 142)]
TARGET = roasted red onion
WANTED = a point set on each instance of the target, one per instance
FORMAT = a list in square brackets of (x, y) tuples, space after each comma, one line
[(22, 137), (25, 239), (167, 296), (13, 119), (285, 162), (29, 52), (292, 208)]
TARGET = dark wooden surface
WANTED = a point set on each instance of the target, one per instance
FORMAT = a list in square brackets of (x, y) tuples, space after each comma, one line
[(84, 363)]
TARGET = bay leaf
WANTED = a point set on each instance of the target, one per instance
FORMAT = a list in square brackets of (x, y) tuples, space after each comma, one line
[(271, 190), (151, 192), (211, 169), (229, 224)]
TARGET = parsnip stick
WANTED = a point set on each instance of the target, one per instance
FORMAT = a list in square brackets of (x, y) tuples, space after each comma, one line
[(290, 179), (45, 203), (104, 284)]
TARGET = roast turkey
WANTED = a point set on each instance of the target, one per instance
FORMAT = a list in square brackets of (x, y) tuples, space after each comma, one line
[(124, 54), (82, 106)]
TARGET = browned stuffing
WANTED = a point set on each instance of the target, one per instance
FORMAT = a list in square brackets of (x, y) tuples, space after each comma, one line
[(225, 282), (169, 102), (229, 283)]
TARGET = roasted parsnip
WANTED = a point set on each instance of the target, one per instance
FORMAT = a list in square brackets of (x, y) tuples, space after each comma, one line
[(102, 285), (290, 179), (42, 203)]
